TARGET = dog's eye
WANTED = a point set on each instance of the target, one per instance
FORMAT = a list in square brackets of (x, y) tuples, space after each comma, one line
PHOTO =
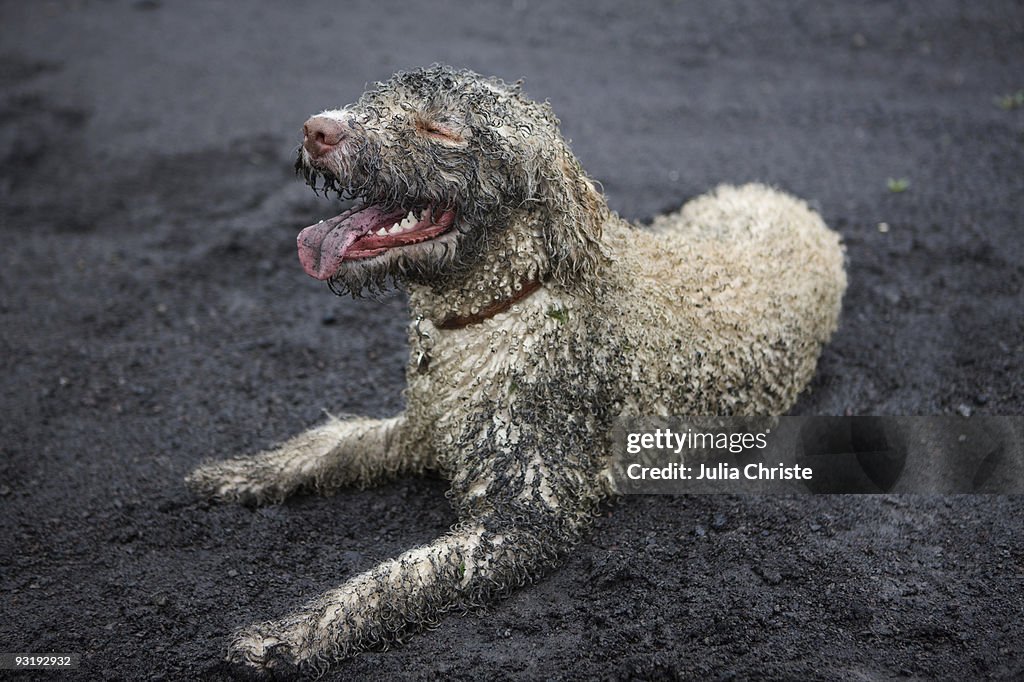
[(438, 131)]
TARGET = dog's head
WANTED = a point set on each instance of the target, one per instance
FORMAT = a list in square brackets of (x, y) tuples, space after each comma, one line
[(437, 162)]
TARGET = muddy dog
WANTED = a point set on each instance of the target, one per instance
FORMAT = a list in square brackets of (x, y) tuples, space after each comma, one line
[(539, 316)]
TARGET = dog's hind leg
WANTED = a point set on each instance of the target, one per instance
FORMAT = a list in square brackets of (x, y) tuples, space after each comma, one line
[(342, 452)]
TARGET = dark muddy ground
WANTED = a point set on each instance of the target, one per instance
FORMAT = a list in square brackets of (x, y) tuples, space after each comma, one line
[(154, 313)]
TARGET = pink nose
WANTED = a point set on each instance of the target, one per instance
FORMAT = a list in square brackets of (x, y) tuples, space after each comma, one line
[(321, 134)]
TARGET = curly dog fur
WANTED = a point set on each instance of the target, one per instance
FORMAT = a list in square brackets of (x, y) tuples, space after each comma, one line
[(538, 318)]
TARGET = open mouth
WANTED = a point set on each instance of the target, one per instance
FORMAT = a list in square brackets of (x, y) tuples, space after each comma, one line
[(365, 232)]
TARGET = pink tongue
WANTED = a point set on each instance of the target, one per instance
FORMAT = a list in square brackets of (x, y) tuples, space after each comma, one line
[(322, 246)]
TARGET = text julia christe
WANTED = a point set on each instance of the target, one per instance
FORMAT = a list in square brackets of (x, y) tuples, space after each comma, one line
[(719, 472)]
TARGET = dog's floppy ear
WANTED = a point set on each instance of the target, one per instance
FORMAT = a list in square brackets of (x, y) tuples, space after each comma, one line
[(547, 176), (575, 213)]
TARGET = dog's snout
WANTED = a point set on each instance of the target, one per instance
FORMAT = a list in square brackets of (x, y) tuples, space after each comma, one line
[(321, 134)]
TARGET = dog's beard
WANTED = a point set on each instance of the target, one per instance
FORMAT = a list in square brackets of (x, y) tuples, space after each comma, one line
[(436, 263)]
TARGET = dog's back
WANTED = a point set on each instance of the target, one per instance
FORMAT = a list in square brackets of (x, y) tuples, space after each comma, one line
[(732, 298)]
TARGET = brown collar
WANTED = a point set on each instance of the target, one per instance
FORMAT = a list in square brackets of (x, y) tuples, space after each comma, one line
[(461, 321)]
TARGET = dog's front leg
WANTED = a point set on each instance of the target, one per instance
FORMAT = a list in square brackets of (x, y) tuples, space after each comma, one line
[(477, 560), (341, 452)]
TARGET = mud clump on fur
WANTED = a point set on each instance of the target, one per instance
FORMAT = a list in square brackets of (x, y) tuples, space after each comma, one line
[(720, 308)]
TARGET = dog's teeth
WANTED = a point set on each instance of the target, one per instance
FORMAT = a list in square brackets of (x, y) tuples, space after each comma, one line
[(382, 232), (408, 222), (395, 228)]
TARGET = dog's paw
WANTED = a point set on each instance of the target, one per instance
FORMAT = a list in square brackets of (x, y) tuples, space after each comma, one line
[(255, 649), (233, 481), (271, 646)]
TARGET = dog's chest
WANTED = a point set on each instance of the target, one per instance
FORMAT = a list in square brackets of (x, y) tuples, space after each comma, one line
[(484, 363)]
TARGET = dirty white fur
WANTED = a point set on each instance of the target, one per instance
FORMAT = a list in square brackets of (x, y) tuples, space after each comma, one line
[(718, 309)]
